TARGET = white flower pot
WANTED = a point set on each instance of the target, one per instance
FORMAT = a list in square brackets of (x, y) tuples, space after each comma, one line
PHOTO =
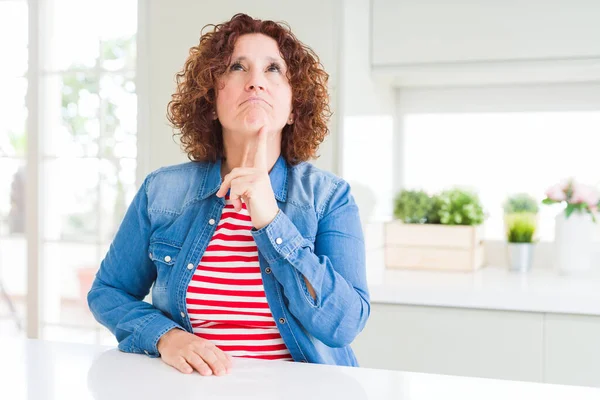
[(574, 243), (520, 256)]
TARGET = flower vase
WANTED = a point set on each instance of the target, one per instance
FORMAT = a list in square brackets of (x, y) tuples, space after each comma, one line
[(574, 236)]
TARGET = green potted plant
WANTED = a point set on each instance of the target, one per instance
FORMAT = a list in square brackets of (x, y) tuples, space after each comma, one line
[(518, 203), (412, 206), (520, 235), (442, 231), (459, 207)]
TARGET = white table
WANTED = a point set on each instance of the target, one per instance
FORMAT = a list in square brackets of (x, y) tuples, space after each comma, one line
[(31, 369)]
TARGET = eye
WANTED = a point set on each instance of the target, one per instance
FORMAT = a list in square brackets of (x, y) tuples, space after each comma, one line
[(274, 67), (236, 66)]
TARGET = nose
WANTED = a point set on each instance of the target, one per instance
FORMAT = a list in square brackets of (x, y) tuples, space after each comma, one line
[(256, 81)]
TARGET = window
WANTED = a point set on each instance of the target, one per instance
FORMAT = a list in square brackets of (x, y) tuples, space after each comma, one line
[(13, 147), (88, 114), (500, 140), (497, 154), (88, 151), (496, 140)]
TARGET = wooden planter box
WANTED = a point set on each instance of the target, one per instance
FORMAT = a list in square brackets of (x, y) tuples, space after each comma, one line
[(438, 247)]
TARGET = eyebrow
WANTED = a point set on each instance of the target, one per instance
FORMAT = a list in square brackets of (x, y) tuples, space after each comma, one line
[(270, 59)]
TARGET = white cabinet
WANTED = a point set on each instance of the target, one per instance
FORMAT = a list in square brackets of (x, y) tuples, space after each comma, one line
[(572, 349), (491, 344), (538, 347), (432, 31), (486, 42)]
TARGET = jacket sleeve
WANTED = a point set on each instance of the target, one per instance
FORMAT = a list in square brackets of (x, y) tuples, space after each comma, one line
[(335, 269), (124, 280)]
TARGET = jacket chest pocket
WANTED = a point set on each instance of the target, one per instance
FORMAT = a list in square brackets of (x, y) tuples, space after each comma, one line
[(164, 257)]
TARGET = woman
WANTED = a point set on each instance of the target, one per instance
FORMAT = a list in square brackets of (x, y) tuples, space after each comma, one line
[(250, 250)]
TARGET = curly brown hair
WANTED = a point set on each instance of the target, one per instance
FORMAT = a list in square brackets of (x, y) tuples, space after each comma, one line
[(191, 108)]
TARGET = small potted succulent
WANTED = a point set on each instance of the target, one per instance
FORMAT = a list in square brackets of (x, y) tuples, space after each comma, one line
[(520, 235), (520, 224)]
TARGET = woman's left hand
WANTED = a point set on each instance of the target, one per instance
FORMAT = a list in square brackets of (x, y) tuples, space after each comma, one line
[(251, 183)]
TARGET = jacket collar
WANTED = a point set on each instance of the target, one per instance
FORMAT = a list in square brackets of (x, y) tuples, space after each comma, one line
[(212, 179)]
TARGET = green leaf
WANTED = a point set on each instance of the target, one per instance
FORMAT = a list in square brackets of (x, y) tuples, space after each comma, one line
[(521, 202), (569, 210), (459, 207), (412, 206), (521, 227)]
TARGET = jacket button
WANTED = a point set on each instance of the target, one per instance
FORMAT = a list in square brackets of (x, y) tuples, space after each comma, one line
[(282, 320), (279, 240), (182, 314), (211, 221), (268, 270), (190, 266), (167, 258)]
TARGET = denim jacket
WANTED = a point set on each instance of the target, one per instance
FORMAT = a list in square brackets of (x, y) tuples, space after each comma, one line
[(317, 234)]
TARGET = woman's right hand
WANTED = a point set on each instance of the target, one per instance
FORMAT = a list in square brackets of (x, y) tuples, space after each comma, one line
[(187, 352)]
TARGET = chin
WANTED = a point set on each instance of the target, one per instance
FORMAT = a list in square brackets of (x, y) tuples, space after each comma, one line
[(252, 126)]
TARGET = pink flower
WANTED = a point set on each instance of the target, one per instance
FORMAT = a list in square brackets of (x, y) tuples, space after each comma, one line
[(557, 192), (584, 194)]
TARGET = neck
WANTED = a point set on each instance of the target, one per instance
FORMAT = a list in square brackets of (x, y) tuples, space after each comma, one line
[(240, 148)]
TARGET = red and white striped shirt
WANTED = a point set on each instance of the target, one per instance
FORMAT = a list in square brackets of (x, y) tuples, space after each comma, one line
[(226, 299)]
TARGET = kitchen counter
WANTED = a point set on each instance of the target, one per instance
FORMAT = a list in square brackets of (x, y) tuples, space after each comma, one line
[(544, 291), (32, 369)]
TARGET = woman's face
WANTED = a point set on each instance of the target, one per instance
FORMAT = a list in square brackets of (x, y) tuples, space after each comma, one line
[(254, 91)]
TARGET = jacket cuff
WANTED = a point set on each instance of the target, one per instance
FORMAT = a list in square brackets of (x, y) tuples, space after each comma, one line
[(278, 239), (150, 333)]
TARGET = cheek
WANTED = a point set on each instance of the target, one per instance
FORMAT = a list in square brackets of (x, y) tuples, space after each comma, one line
[(284, 93), (287, 98), (224, 98), (228, 91)]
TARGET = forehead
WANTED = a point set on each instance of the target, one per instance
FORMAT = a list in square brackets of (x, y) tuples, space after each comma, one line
[(256, 45)]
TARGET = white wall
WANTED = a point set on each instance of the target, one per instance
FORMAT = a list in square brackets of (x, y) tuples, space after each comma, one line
[(361, 94), (366, 106), (168, 28)]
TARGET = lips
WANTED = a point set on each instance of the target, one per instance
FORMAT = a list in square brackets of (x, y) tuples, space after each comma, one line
[(255, 98)]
